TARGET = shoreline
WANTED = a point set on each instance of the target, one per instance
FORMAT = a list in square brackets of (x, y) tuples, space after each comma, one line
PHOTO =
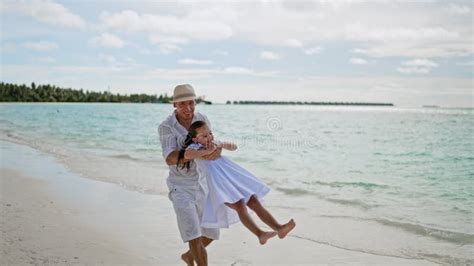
[(52, 215)]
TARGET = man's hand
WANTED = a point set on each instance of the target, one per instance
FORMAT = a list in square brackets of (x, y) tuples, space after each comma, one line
[(213, 155)]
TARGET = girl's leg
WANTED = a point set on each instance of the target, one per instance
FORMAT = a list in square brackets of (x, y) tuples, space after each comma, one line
[(268, 219), (244, 216)]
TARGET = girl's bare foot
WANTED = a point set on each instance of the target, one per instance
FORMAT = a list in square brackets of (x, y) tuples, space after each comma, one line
[(265, 236), (286, 228), (188, 258)]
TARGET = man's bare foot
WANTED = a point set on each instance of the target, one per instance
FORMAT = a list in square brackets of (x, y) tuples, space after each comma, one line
[(286, 228), (188, 258), (265, 236)]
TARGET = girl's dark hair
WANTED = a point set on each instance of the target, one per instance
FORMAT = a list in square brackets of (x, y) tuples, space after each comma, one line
[(192, 132)]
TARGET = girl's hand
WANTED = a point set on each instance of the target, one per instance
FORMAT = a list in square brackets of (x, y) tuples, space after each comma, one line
[(214, 154), (210, 149)]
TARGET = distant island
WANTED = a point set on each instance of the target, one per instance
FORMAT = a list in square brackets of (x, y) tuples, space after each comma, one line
[(308, 103), (49, 93)]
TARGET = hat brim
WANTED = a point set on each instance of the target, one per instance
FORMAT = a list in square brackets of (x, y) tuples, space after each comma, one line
[(184, 99)]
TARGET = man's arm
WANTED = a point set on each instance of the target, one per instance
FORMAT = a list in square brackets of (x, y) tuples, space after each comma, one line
[(169, 145), (189, 155), (172, 158), (193, 154)]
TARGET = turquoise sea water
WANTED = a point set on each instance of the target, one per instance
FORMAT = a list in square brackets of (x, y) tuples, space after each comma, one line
[(413, 167)]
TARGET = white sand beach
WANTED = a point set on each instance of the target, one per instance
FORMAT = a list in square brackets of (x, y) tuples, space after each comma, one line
[(51, 215)]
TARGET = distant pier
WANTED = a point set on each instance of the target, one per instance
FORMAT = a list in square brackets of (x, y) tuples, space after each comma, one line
[(309, 103)]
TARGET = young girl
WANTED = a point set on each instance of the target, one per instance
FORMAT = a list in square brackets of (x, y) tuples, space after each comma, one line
[(229, 186)]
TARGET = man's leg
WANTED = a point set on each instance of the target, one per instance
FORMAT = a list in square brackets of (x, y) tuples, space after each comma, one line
[(198, 250), (188, 256), (188, 217)]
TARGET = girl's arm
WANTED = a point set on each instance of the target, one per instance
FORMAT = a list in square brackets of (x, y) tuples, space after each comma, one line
[(228, 146), (193, 154)]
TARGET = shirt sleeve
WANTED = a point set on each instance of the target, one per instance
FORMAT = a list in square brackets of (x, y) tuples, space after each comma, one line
[(169, 142)]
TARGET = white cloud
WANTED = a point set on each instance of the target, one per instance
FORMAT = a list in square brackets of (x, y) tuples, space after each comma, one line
[(168, 43), (361, 32), (167, 39), (313, 50), (406, 50), (202, 29), (267, 55), (238, 70), (429, 42), (358, 61), (118, 61), (410, 29), (169, 48), (107, 40), (69, 70), (46, 11), (421, 63), (250, 72), (168, 31), (459, 9), (41, 46), (294, 43), (189, 61), (417, 66), (180, 74)]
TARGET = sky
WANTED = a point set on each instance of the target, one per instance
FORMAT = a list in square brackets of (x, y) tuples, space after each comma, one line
[(410, 53)]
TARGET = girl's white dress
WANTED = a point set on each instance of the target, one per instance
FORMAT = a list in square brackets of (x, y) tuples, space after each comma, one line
[(227, 182)]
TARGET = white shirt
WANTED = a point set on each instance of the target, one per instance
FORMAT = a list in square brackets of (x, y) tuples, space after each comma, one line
[(172, 136)]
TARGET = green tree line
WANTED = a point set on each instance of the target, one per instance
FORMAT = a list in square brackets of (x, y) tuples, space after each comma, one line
[(49, 93)]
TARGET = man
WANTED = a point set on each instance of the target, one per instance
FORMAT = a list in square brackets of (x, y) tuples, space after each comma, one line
[(187, 190)]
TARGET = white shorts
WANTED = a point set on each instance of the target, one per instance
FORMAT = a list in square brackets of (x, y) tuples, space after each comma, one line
[(188, 204)]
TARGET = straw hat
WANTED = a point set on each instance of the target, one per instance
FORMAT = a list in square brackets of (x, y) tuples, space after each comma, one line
[(184, 92)]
